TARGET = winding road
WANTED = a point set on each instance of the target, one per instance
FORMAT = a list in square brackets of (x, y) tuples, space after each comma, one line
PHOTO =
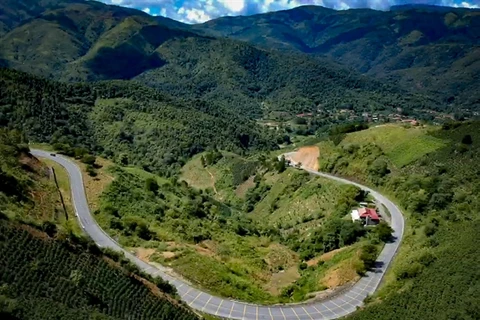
[(336, 307)]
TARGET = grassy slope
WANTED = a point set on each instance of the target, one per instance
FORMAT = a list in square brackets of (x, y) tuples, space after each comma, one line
[(401, 144)]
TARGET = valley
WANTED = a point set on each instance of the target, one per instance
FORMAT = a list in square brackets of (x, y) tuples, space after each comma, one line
[(360, 289), (241, 256), (299, 164)]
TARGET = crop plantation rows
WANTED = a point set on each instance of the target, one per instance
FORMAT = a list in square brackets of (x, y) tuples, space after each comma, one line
[(53, 279)]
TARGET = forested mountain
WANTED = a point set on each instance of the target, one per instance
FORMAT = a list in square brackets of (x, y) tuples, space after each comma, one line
[(426, 49), (48, 272), (90, 41), (123, 120)]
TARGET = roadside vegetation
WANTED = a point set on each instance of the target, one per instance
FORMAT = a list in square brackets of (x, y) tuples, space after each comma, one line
[(434, 180), (247, 228), (48, 270)]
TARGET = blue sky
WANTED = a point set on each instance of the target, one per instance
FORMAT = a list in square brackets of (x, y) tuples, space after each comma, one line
[(195, 11)]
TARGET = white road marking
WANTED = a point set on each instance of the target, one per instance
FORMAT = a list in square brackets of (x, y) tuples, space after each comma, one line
[(206, 304), (295, 313), (198, 295), (231, 309), (221, 301), (308, 314), (319, 312)]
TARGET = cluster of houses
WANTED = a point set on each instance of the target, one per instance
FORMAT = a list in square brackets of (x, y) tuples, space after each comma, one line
[(351, 115)]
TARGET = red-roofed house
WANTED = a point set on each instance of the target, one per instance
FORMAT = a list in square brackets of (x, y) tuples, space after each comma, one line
[(368, 215)]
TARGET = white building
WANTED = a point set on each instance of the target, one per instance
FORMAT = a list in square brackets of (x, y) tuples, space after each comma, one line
[(355, 215)]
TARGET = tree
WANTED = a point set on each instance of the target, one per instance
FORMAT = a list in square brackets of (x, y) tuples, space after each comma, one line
[(379, 168), (369, 256), (467, 139), (151, 185), (281, 164), (384, 232)]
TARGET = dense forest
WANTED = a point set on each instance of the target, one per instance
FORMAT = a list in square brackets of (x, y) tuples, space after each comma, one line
[(124, 121), (48, 272)]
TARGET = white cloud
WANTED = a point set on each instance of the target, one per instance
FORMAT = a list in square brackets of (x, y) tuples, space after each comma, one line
[(196, 15), (233, 5), (469, 5), (196, 11)]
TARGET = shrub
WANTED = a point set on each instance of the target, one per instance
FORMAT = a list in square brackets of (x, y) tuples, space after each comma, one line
[(467, 139), (50, 228), (91, 171), (410, 271), (430, 229), (151, 185), (88, 159), (303, 266)]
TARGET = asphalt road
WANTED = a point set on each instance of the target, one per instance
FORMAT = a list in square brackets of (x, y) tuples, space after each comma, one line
[(336, 307)]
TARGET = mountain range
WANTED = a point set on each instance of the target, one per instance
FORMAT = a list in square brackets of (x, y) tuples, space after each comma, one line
[(425, 49), (281, 61)]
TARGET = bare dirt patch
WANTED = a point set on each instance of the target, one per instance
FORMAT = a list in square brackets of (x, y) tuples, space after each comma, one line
[(169, 254), (206, 248), (94, 186), (307, 156), (242, 189), (340, 275), (324, 257), (282, 279), (144, 254)]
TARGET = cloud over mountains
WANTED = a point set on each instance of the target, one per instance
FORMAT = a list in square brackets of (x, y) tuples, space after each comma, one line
[(195, 11)]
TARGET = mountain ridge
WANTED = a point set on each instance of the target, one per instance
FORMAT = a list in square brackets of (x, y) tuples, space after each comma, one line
[(395, 46), (89, 41)]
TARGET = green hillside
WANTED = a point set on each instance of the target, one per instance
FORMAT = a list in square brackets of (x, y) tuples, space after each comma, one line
[(46, 271), (90, 41), (427, 50), (125, 121), (438, 189), (262, 242)]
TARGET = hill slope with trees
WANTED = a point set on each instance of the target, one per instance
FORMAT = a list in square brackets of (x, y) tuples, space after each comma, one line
[(88, 41), (126, 121), (426, 49), (48, 272)]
